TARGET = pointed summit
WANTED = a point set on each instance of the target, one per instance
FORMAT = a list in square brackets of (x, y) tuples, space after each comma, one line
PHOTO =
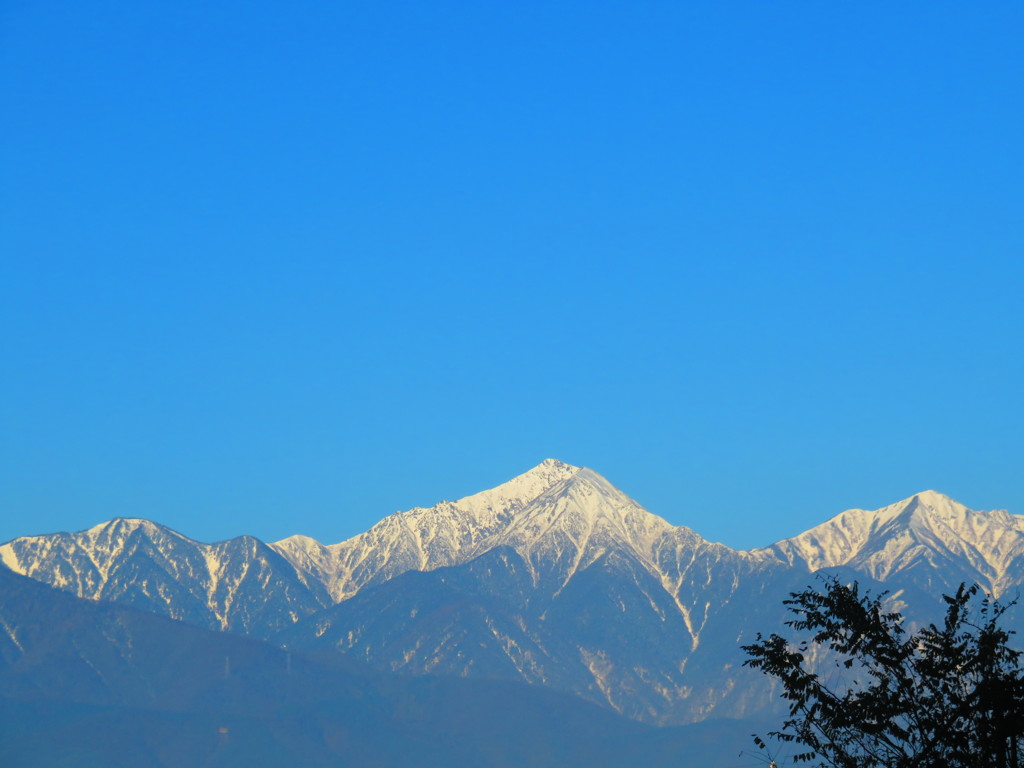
[(580, 519), (929, 530), (237, 584), (923, 508), (521, 489), (928, 500), (932, 497), (549, 464), (121, 527), (423, 538)]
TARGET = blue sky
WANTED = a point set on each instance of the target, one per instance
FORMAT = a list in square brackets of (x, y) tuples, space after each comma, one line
[(274, 268)]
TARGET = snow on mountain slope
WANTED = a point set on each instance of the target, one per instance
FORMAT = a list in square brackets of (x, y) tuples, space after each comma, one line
[(588, 551), (238, 584), (81, 562), (622, 607), (421, 539), (928, 532), (559, 518), (555, 577), (579, 588), (574, 522)]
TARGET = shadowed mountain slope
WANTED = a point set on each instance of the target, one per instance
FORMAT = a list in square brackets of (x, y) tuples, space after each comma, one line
[(87, 684), (555, 578)]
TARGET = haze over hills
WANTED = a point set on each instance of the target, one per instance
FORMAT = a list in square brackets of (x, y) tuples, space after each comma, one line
[(86, 683), (555, 578)]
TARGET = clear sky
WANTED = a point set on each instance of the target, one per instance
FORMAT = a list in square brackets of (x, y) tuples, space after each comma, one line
[(278, 268)]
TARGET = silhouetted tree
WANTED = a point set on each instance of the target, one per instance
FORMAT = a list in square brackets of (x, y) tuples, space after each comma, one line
[(949, 696)]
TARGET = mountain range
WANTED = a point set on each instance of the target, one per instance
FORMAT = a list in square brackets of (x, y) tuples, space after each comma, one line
[(555, 578), (89, 684)]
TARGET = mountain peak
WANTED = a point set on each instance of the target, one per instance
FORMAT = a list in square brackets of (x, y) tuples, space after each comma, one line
[(551, 469), (930, 495), (521, 489), (422, 538), (552, 463), (122, 527), (930, 500), (123, 524), (580, 519), (928, 527), (923, 506)]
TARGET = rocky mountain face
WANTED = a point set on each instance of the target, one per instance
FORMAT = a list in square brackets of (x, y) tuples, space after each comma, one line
[(88, 684), (421, 539), (555, 578), (581, 590), (928, 539), (240, 585)]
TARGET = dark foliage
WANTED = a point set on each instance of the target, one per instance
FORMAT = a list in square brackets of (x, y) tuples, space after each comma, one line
[(863, 691)]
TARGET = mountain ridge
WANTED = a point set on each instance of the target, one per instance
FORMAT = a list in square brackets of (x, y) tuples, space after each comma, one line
[(927, 525), (146, 565), (555, 577), (454, 532), (401, 541), (94, 684)]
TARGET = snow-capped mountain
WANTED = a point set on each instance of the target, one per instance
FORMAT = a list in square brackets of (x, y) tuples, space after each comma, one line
[(86, 683), (557, 517), (578, 588), (422, 538), (239, 584), (555, 577), (929, 536)]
